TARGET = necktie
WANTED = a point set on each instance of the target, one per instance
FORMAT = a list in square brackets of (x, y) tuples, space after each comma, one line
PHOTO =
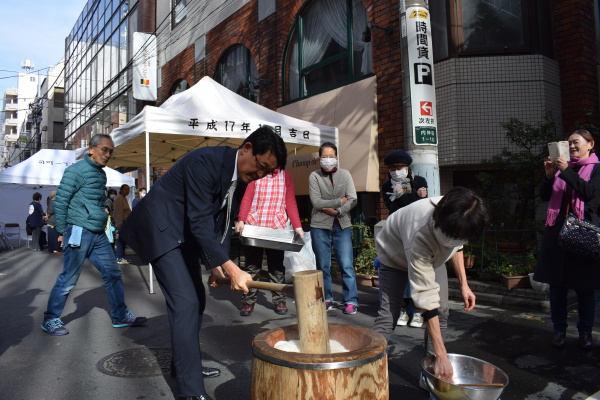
[(228, 215)]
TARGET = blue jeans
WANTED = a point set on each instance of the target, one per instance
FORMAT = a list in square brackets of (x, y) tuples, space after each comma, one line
[(586, 308), (97, 249), (120, 252), (322, 239)]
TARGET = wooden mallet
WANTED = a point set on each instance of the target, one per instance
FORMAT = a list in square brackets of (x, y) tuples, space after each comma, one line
[(310, 308), (274, 287)]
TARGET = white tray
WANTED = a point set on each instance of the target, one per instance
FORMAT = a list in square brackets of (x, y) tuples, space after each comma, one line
[(278, 239)]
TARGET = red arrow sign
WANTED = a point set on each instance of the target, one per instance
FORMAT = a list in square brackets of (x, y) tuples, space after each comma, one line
[(426, 108)]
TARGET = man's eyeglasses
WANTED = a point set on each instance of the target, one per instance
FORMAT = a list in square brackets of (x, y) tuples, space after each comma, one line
[(106, 150), (265, 169)]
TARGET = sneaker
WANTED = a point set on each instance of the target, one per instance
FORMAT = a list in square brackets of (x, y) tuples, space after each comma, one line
[(417, 320), (246, 310), (130, 320), (281, 308), (350, 309), (403, 320), (54, 327), (123, 261), (328, 305)]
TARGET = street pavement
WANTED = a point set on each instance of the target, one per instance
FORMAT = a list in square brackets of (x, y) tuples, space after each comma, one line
[(97, 361)]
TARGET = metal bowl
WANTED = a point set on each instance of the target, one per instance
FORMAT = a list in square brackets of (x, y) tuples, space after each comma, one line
[(278, 239), (466, 370)]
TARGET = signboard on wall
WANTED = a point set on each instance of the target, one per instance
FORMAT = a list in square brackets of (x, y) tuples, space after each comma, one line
[(144, 66), (300, 167), (417, 28)]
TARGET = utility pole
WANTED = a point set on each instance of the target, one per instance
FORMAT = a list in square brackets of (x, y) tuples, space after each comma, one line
[(418, 91), (35, 116)]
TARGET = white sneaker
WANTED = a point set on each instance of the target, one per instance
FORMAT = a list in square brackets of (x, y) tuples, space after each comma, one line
[(417, 320), (403, 320)]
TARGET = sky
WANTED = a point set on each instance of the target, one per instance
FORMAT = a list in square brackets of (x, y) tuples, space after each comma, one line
[(34, 29)]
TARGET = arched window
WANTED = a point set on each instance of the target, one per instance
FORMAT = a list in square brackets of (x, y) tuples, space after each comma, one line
[(179, 86), (237, 72), (325, 49)]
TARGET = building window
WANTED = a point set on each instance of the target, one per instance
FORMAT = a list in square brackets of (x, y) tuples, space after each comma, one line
[(237, 72), (180, 86), (487, 27), (178, 12), (59, 99), (325, 48), (492, 25), (58, 132)]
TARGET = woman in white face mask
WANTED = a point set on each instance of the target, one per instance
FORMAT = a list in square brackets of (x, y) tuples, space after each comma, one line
[(402, 189), (413, 247), (333, 195), (111, 195)]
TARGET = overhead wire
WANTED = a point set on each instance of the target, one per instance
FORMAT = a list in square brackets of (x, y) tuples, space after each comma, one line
[(137, 57)]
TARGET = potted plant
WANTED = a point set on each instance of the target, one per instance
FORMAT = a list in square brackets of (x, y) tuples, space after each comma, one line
[(468, 256), (516, 275), (365, 256), (512, 270)]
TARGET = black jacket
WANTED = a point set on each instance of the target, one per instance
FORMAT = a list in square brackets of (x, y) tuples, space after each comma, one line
[(555, 266), (405, 199), (184, 205)]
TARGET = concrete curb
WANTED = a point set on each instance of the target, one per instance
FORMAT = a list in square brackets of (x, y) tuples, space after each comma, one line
[(495, 294)]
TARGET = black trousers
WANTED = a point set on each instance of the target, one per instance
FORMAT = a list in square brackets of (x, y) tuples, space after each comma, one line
[(53, 243), (178, 274), (253, 266)]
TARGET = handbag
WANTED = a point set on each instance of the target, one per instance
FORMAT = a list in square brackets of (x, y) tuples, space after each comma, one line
[(580, 237)]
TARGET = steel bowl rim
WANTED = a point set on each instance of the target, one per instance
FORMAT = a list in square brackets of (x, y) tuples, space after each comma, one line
[(471, 387)]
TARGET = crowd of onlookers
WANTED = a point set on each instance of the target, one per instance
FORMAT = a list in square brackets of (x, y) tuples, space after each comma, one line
[(187, 218)]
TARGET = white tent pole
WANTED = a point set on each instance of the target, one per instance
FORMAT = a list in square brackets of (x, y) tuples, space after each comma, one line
[(150, 274), (148, 160)]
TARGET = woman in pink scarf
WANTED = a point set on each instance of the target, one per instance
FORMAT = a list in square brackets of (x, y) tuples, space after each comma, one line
[(576, 184)]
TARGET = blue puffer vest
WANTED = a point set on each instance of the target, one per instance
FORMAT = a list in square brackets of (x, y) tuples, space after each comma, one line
[(80, 197)]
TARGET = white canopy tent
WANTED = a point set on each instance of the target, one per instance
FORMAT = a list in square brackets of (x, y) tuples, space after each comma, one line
[(207, 114), (41, 173)]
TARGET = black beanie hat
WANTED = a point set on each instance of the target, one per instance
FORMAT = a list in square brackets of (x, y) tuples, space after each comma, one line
[(397, 157)]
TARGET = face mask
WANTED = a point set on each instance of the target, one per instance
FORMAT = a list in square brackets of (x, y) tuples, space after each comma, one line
[(447, 241), (399, 174), (143, 194), (113, 196), (328, 163)]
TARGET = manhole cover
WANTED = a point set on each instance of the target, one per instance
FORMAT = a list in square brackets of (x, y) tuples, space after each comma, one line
[(137, 363)]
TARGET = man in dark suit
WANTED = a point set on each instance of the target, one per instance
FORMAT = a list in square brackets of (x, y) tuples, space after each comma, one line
[(183, 219)]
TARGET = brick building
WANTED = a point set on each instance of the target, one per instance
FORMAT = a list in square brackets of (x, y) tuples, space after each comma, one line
[(494, 60)]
